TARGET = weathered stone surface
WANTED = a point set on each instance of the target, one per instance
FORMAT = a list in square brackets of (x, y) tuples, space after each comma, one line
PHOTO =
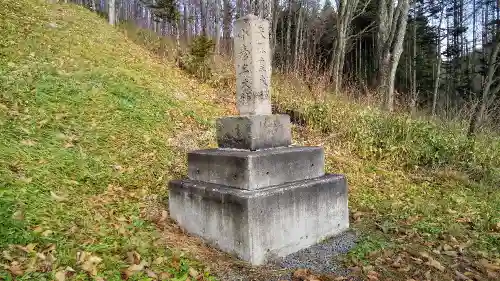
[(251, 170), (253, 65), (262, 224), (254, 132)]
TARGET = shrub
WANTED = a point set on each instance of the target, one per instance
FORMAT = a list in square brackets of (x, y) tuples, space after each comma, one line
[(197, 61)]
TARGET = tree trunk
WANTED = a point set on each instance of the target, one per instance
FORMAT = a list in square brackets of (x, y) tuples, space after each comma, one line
[(438, 66), (217, 27), (346, 9), (227, 24), (274, 27), (390, 36), (112, 12), (203, 18), (297, 32), (187, 30), (289, 36), (483, 103), (414, 94), (239, 8)]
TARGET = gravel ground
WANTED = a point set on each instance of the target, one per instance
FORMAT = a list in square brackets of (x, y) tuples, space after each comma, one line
[(320, 258)]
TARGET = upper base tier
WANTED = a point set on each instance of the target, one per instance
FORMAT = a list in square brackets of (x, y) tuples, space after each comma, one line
[(245, 169)]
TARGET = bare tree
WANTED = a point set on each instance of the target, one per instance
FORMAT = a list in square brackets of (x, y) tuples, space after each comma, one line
[(112, 12), (438, 63), (217, 26), (203, 17), (187, 30), (392, 20), (289, 34), (486, 91), (345, 14)]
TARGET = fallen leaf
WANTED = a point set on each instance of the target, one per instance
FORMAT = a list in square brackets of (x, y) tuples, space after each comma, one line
[(60, 275), (18, 215), (486, 264), (301, 273), (164, 216), (463, 220), (69, 269), (165, 276), (357, 216), (57, 197), (131, 270), (193, 273), (372, 275), (428, 275), (405, 269), (424, 255), (90, 264), (461, 276), (68, 145), (133, 257), (447, 247), (137, 267), (6, 255), (15, 268), (117, 167), (41, 256), (151, 274), (37, 229), (397, 262), (450, 253), (434, 263), (493, 275), (25, 179), (47, 233), (158, 260), (28, 142)]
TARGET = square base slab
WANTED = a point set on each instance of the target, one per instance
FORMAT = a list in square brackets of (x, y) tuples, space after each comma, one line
[(260, 225), (254, 131)]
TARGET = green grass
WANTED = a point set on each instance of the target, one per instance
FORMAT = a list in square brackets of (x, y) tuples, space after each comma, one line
[(94, 125), (89, 124), (415, 185)]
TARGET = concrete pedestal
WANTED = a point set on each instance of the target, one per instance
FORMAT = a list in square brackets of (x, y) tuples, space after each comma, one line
[(244, 169), (258, 225)]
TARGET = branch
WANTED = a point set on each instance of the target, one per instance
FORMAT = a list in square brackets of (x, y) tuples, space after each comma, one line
[(395, 21), (369, 27), (365, 6)]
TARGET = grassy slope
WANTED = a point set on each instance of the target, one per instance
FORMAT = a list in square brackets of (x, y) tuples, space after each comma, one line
[(94, 118), (90, 124)]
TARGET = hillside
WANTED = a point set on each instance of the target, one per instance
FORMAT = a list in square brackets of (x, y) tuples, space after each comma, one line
[(94, 125)]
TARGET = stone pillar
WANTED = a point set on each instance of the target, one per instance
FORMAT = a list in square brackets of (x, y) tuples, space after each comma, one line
[(256, 196), (252, 57)]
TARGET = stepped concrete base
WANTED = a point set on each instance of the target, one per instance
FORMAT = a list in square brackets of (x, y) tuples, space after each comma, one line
[(251, 170), (260, 225), (254, 132)]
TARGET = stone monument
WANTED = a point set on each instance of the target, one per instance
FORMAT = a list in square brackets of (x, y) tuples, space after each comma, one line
[(256, 196)]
